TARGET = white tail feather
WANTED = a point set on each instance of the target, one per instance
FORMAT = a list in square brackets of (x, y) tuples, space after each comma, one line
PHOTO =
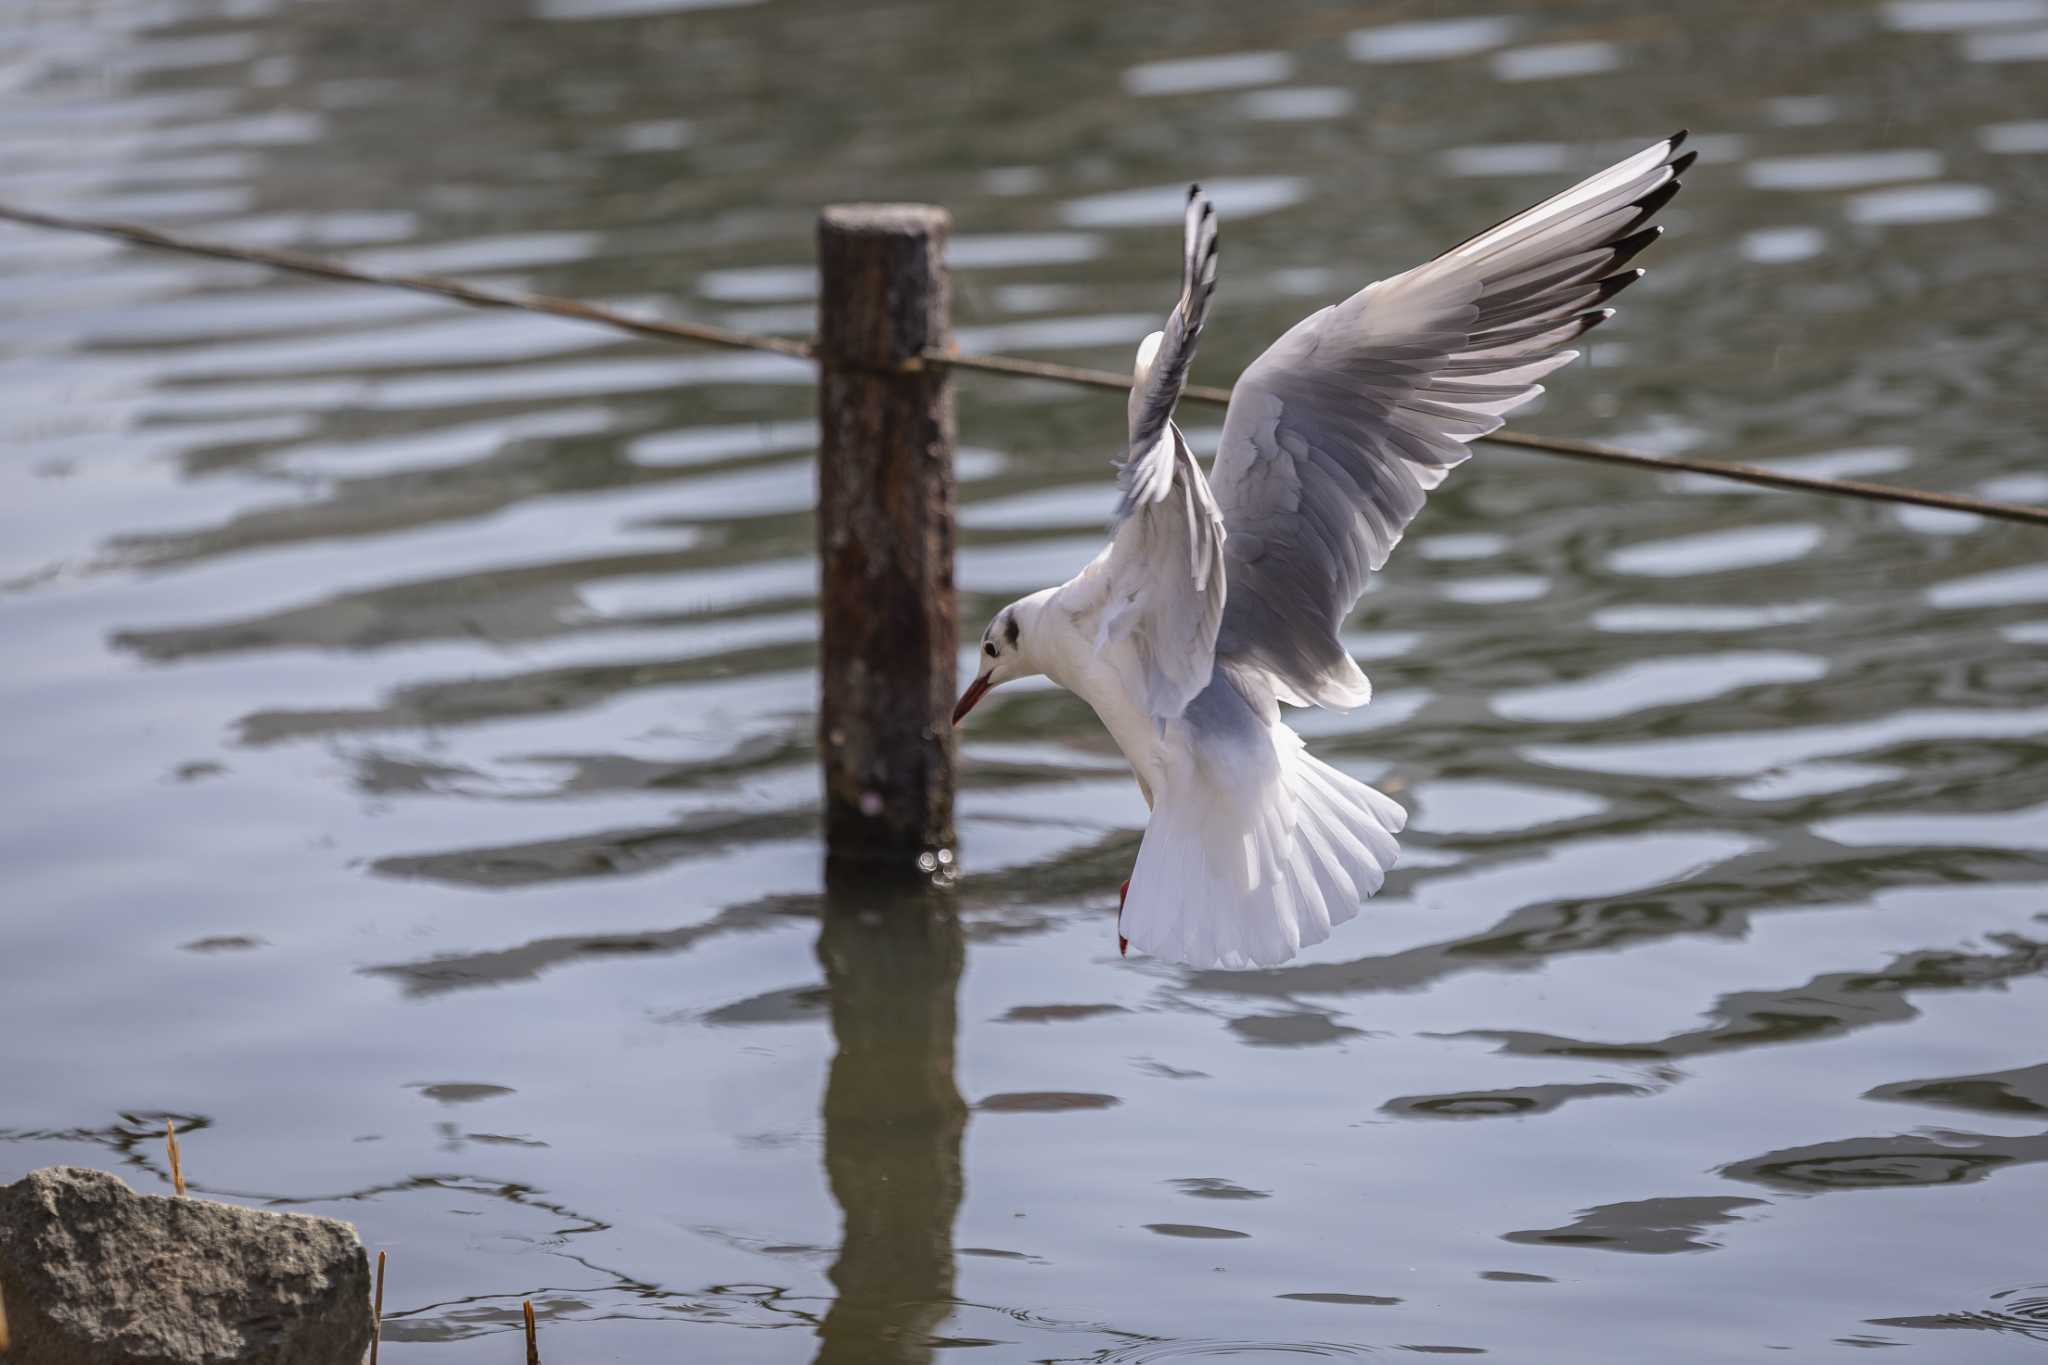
[(1251, 857)]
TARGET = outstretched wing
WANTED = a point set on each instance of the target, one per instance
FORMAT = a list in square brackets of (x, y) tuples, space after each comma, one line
[(1164, 358), (1164, 565), (1335, 434)]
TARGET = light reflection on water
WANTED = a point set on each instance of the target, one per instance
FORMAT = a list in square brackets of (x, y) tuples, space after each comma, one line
[(411, 779)]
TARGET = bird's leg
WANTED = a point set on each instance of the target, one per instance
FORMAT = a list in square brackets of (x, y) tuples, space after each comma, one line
[(1123, 945)]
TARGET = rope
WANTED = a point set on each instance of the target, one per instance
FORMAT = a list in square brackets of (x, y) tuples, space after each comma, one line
[(1555, 445), (476, 296)]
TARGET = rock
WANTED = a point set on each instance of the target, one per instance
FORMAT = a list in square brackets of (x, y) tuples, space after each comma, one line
[(94, 1274)]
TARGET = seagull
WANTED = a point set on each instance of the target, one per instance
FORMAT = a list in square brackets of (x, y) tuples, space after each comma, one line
[(1219, 599)]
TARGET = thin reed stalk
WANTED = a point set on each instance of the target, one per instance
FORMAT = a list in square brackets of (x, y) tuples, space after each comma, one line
[(532, 1337), (377, 1312), (177, 1166)]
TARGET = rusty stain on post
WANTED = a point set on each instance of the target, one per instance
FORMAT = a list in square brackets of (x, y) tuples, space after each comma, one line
[(889, 619)]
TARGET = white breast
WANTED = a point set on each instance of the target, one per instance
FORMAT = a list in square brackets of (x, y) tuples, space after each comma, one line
[(1104, 682)]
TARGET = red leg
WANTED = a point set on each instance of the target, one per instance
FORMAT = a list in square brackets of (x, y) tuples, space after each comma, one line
[(1123, 945)]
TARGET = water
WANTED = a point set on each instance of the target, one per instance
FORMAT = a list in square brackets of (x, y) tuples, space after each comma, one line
[(410, 782)]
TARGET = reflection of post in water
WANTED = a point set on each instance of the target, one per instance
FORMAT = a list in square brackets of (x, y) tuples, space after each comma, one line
[(893, 1118)]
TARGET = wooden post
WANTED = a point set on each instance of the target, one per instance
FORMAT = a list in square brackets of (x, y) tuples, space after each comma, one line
[(890, 626)]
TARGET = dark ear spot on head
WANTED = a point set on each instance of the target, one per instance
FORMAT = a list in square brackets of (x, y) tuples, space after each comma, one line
[(1010, 630)]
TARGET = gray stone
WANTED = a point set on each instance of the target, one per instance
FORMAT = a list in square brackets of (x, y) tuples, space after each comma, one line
[(94, 1274)]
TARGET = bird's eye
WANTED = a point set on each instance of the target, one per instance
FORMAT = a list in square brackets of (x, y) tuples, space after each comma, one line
[(989, 649)]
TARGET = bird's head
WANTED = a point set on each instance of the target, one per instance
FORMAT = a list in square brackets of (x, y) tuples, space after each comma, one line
[(1009, 649)]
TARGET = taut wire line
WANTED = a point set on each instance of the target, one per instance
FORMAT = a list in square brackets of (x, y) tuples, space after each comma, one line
[(477, 296)]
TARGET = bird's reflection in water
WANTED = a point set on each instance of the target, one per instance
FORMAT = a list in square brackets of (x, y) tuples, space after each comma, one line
[(893, 1118)]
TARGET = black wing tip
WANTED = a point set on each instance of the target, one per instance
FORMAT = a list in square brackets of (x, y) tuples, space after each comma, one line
[(1677, 139), (1614, 284), (1654, 200), (1588, 321), (1628, 248), (1680, 165)]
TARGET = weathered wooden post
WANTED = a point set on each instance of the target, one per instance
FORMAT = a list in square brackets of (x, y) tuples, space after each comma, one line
[(890, 625)]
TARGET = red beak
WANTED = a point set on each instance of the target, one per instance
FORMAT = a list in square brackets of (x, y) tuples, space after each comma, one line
[(976, 690)]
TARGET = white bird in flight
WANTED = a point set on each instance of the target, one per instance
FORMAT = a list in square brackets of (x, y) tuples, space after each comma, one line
[(1219, 598)]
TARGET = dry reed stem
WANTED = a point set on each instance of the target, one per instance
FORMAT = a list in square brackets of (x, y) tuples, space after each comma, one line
[(377, 1312), (532, 1338), (177, 1166)]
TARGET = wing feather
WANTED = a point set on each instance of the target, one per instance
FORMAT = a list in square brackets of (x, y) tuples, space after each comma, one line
[(1146, 471), (1164, 566), (1335, 435)]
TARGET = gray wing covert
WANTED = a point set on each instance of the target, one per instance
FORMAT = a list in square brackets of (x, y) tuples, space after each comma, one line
[(1337, 432)]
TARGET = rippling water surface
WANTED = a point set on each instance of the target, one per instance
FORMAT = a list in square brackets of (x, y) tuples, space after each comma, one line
[(410, 783)]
